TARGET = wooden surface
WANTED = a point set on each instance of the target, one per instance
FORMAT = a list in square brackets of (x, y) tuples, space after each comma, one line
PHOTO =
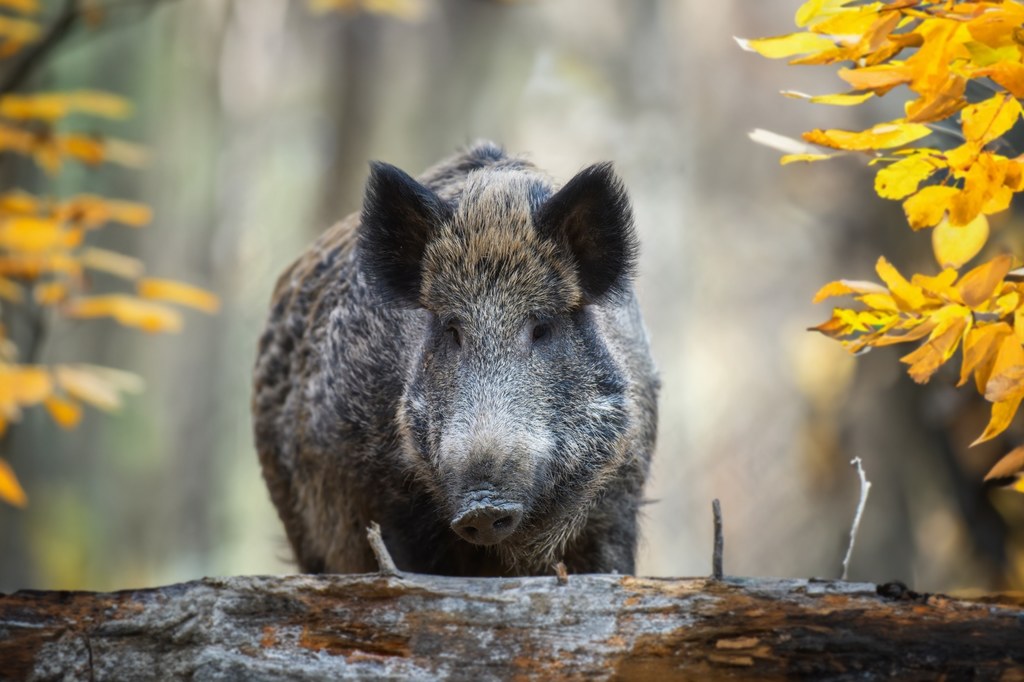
[(428, 627)]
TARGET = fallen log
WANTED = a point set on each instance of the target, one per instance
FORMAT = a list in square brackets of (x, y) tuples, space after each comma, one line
[(427, 627)]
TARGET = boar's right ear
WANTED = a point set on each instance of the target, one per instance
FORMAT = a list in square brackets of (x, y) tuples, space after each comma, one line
[(591, 216), (400, 216)]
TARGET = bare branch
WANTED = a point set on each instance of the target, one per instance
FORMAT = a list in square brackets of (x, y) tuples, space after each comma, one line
[(380, 550), (716, 557), (36, 53), (865, 486)]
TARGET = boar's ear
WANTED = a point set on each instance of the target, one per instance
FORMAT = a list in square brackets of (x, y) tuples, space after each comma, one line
[(591, 216), (400, 216)]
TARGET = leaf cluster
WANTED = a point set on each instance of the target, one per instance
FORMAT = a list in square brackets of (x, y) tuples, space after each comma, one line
[(934, 50), (47, 264)]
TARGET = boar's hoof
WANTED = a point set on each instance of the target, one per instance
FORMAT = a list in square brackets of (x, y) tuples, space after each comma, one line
[(487, 523)]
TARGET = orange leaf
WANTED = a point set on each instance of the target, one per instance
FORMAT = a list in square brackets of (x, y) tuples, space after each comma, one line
[(1005, 384), (918, 332), (67, 413), (879, 79), (1008, 469), (1010, 75), (981, 283), (980, 345), (940, 103), (1003, 413), (10, 490), (176, 292), (940, 347)]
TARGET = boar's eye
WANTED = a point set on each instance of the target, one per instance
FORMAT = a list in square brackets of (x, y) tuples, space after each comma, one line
[(541, 332), (453, 333)]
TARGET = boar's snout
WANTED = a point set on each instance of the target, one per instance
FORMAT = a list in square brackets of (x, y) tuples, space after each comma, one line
[(484, 520)]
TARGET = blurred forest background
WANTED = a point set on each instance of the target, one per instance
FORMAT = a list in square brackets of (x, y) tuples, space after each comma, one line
[(261, 115)]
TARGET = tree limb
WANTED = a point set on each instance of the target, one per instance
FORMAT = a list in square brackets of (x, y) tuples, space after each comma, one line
[(430, 627)]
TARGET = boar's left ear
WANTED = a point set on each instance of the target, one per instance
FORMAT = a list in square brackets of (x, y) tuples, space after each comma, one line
[(591, 216), (400, 216)]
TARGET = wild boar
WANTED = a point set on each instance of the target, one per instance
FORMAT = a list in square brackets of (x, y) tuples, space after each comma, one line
[(465, 363)]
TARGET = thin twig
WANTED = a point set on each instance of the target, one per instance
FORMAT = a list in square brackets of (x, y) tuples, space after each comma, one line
[(716, 557), (65, 22), (34, 55), (865, 486), (380, 550)]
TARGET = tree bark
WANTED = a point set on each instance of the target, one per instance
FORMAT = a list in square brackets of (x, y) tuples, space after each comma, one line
[(430, 627)]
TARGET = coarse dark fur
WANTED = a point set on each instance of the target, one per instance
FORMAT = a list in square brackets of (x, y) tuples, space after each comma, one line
[(472, 334)]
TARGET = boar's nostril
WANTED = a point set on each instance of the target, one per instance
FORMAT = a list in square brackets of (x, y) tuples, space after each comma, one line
[(487, 524)]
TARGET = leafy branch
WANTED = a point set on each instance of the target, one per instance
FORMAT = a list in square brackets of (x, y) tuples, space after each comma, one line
[(949, 189)]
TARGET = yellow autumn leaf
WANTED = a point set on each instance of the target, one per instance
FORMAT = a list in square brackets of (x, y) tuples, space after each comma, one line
[(98, 386), (92, 211), (111, 262), (903, 291), (985, 121), (20, 386), (23, 6), (806, 158), (177, 292), (788, 45), (126, 310), (927, 206), (815, 9), (982, 283), (940, 285), (922, 328), (18, 202), (65, 412), (843, 100), (902, 178), (881, 136), (30, 234), (1003, 413), (50, 293), (50, 106), (954, 246), (845, 287), (11, 291), (10, 490), (31, 265), (19, 31)]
